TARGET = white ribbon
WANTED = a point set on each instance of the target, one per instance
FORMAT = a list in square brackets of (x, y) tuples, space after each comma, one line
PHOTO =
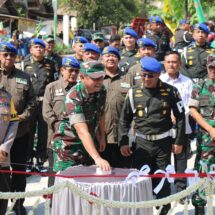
[(212, 171), (204, 166), (169, 170), (145, 170), (132, 178), (135, 175), (192, 180)]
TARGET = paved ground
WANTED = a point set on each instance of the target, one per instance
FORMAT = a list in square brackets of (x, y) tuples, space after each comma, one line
[(36, 183)]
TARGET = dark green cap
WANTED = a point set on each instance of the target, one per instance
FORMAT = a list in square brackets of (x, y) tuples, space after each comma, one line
[(98, 36), (48, 38), (211, 60), (93, 68)]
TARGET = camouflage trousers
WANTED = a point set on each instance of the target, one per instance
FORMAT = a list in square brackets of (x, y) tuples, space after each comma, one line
[(63, 156), (205, 153)]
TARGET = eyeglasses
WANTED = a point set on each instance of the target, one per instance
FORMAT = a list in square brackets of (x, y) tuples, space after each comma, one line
[(12, 55), (148, 75)]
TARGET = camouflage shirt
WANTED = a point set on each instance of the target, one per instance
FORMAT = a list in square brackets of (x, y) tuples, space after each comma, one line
[(79, 106), (203, 98)]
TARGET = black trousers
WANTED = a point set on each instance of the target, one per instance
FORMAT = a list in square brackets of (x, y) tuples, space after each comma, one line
[(157, 155), (4, 187), (38, 122), (181, 165), (18, 161), (113, 155)]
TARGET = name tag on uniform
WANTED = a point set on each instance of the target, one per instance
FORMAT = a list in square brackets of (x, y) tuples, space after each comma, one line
[(59, 92), (125, 85), (21, 81)]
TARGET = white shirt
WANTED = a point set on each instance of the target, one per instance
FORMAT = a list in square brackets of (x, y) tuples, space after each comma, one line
[(184, 85)]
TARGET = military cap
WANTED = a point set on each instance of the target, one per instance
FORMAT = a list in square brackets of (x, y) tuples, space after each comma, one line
[(156, 19), (7, 47), (130, 31), (48, 38), (211, 60), (70, 62), (150, 64), (93, 68), (184, 21), (111, 50), (37, 41), (202, 27), (80, 39), (115, 37), (144, 42), (98, 36), (91, 47)]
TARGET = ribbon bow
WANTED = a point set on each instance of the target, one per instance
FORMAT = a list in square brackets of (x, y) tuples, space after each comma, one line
[(212, 173), (192, 180), (135, 175), (169, 170)]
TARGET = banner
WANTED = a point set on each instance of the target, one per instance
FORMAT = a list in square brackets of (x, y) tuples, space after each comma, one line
[(166, 10), (199, 11)]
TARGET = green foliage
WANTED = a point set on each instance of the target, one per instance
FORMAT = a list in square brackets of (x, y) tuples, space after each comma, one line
[(60, 48), (106, 12), (103, 12)]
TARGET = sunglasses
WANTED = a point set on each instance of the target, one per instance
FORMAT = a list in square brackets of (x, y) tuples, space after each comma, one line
[(12, 55), (148, 75)]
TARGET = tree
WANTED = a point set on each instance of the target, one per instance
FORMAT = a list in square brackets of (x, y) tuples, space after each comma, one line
[(103, 12)]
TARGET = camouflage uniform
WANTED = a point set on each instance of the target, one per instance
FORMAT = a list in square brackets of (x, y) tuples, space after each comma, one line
[(203, 98), (79, 106)]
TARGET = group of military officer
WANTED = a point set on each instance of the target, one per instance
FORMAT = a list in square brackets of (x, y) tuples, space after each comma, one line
[(85, 105)]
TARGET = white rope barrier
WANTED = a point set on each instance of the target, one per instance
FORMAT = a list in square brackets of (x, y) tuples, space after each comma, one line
[(106, 203)]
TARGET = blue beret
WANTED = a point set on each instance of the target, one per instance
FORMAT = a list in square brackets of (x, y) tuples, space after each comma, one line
[(143, 42), (7, 47), (37, 41), (130, 31), (80, 39), (70, 62), (202, 27), (150, 64), (184, 21), (156, 19), (111, 50), (92, 47)]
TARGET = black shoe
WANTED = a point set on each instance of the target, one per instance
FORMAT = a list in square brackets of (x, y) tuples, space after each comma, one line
[(20, 210), (40, 168), (29, 167), (165, 209), (199, 210), (183, 200)]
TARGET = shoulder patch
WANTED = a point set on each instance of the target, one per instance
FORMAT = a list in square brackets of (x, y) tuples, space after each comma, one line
[(21, 81)]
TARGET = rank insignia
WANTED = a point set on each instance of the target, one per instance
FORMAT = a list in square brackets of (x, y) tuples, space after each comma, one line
[(138, 94), (138, 91), (140, 113)]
